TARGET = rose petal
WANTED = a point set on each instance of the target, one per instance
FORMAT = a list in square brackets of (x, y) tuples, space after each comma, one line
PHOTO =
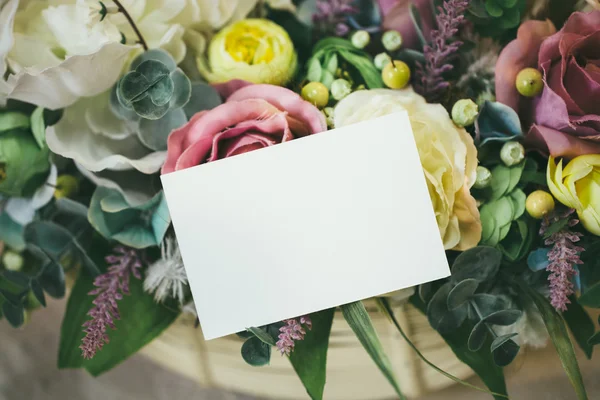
[(558, 144), (285, 100), (518, 54), (583, 89)]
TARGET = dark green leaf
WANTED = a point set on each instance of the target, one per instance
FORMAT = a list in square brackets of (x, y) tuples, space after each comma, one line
[(142, 320), (594, 340), (461, 293), (493, 9), (14, 314), (262, 335), (504, 350), (480, 263), (581, 325), (38, 292), (511, 18), (52, 280), (309, 357), (440, 317), (38, 127), (480, 361), (71, 207), (504, 317), (560, 337), (359, 321), (16, 277), (121, 111), (11, 233), (591, 297), (497, 122), (415, 17), (255, 352), (556, 227), (478, 336)]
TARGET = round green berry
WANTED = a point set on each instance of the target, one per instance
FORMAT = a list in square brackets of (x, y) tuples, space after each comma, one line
[(529, 82), (396, 74), (391, 40), (464, 112), (340, 88), (360, 39), (483, 178), (512, 153), (316, 93), (381, 60)]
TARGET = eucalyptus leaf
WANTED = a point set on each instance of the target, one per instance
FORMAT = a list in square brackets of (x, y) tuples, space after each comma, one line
[(71, 207), (182, 89), (489, 304), (480, 263), (16, 277), (14, 314), (156, 55), (52, 280), (255, 352), (478, 336), (497, 122), (538, 259), (203, 97), (359, 321), (461, 293), (500, 340), (11, 233), (309, 357), (440, 316), (153, 133), (504, 317), (262, 335), (38, 292)]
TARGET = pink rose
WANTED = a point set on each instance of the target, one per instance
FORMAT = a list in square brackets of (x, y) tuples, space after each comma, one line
[(396, 15), (253, 117), (566, 116)]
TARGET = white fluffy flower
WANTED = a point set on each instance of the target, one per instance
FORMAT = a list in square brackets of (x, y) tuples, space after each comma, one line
[(166, 277)]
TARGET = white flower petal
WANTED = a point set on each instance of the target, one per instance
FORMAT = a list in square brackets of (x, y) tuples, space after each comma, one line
[(77, 76), (7, 18), (73, 138)]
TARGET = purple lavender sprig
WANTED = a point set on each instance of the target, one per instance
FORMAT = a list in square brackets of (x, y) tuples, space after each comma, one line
[(430, 81), (333, 14), (292, 331), (562, 257), (110, 287)]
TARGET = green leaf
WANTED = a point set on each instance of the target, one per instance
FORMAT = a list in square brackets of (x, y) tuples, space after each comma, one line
[(594, 340), (314, 70), (385, 306), (331, 65), (415, 17), (488, 303), (11, 233), (53, 281), (441, 318), (358, 319), (14, 314), (556, 227), (153, 133), (182, 90), (461, 293), (581, 325), (478, 336), (480, 361), (13, 120), (504, 350), (500, 181), (591, 297), (309, 357), (262, 335), (38, 292), (156, 55), (366, 68), (38, 127), (504, 317), (493, 9), (511, 18), (255, 352), (480, 263), (560, 338), (203, 97), (142, 320)]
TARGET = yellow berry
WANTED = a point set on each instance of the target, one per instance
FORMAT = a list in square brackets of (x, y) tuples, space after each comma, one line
[(529, 82), (396, 74), (539, 203), (66, 186), (316, 93)]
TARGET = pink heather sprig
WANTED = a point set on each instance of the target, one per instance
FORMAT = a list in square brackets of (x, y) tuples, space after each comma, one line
[(562, 257), (292, 331), (333, 13), (430, 81), (110, 287)]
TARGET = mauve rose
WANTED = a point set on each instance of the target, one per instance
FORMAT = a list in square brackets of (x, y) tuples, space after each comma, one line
[(253, 117), (396, 15), (566, 116)]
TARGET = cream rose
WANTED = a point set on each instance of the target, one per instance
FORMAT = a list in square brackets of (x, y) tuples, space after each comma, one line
[(448, 156)]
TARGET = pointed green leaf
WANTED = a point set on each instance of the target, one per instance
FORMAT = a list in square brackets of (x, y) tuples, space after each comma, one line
[(263, 336), (504, 350), (38, 292), (591, 297), (358, 319), (560, 338), (309, 357), (38, 127)]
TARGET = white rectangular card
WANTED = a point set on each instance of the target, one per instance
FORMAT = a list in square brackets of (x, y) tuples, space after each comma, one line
[(306, 225)]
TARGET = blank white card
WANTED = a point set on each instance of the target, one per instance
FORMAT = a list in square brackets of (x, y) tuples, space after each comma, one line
[(306, 225)]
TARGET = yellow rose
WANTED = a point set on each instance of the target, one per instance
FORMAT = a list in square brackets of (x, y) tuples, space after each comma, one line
[(255, 50), (578, 186), (448, 157)]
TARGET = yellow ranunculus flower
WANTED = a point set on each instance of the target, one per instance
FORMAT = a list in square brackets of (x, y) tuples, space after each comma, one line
[(578, 186), (448, 157), (255, 50)]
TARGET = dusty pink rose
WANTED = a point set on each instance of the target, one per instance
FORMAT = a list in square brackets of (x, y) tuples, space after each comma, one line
[(253, 117), (565, 118), (396, 15)]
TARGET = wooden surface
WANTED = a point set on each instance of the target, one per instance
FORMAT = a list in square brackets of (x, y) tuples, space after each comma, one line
[(28, 372)]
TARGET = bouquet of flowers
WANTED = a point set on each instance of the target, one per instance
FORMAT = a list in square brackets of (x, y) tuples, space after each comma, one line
[(98, 98)]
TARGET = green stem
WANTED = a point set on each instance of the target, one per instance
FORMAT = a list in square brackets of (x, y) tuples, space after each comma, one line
[(385, 306), (132, 23)]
